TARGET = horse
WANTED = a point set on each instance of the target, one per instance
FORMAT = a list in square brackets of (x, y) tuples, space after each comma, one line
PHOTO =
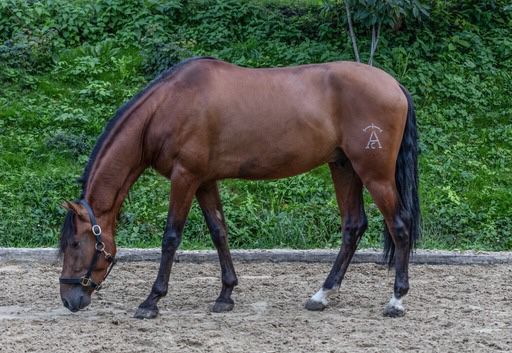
[(205, 120)]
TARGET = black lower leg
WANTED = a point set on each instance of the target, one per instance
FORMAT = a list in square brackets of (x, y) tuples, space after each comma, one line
[(349, 196), (352, 233), (229, 279), (401, 239), (184, 187), (351, 236), (209, 200), (402, 252), (170, 243)]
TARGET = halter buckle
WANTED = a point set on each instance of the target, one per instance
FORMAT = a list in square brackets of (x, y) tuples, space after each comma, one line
[(96, 230), (85, 281)]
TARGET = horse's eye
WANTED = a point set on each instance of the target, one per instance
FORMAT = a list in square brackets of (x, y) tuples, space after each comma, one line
[(75, 244)]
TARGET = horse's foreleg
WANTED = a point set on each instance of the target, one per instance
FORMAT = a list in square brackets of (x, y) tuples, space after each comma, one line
[(209, 201), (385, 196), (184, 187), (348, 187)]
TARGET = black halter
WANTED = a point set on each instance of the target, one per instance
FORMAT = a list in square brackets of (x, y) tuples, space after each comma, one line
[(86, 281)]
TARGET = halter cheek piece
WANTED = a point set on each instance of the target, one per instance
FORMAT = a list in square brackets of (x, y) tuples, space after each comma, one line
[(86, 281)]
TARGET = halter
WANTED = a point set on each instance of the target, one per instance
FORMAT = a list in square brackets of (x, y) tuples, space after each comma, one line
[(86, 281)]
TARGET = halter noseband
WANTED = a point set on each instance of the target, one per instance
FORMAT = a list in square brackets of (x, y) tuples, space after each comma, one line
[(86, 281)]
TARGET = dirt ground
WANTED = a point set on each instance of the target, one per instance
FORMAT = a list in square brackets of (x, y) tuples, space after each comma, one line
[(449, 309)]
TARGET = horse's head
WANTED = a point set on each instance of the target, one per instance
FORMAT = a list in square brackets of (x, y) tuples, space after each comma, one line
[(88, 253)]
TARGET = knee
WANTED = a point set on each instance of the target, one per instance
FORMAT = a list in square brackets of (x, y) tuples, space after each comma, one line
[(355, 229), (172, 240)]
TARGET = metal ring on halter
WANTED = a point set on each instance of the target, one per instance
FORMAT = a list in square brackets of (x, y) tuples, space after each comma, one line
[(96, 230), (100, 246)]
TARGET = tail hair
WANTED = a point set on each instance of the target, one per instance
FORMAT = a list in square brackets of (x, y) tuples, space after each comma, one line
[(407, 184)]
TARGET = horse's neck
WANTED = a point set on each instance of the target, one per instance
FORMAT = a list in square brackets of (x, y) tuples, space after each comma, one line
[(117, 166)]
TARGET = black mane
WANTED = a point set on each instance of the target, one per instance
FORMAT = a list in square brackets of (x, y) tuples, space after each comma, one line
[(68, 231), (120, 113)]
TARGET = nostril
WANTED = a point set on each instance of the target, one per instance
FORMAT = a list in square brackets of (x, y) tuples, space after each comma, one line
[(65, 302)]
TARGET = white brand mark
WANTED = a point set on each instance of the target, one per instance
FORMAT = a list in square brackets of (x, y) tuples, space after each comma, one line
[(373, 141)]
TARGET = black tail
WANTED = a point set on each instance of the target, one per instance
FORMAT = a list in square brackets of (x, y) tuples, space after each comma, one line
[(406, 176)]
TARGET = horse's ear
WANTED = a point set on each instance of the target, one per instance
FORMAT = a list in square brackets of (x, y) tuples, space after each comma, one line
[(76, 208)]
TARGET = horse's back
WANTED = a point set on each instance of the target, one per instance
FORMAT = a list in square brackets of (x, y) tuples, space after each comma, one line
[(338, 92)]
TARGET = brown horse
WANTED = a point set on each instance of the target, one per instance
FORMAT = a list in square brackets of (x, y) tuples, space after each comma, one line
[(205, 120)]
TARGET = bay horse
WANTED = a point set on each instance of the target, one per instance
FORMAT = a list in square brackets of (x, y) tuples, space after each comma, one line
[(206, 120)]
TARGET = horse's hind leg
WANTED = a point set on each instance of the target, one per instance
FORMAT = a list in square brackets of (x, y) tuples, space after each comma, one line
[(385, 196), (209, 200), (184, 186), (348, 187)]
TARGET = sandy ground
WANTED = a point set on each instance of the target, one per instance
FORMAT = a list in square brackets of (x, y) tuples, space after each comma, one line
[(449, 309)]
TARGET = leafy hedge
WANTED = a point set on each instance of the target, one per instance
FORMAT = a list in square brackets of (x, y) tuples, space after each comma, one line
[(66, 66)]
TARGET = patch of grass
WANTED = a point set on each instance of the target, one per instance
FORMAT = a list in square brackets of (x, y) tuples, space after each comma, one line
[(59, 88)]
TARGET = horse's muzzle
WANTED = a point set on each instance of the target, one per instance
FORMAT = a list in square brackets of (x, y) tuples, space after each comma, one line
[(75, 299)]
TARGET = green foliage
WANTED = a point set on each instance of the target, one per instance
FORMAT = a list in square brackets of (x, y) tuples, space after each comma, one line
[(370, 15), (387, 12), (65, 67), (162, 51)]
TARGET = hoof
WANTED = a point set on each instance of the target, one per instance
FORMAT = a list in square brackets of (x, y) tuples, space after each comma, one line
[(223, 306), (393, 311), (313, 305), (146, 313)]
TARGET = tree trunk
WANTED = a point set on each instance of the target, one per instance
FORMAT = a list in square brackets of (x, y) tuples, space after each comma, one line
[(375, 42), (351, 31)]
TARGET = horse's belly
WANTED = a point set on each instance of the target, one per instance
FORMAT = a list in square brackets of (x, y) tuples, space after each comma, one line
[(256, 170), (276, 160)]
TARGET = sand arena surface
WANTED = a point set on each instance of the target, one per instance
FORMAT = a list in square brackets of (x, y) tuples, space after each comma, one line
[(449, 309)]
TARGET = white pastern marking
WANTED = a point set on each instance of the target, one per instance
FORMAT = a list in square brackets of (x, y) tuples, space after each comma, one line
[(322, 295), (373, 141), (396, 303), (218, 214)]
